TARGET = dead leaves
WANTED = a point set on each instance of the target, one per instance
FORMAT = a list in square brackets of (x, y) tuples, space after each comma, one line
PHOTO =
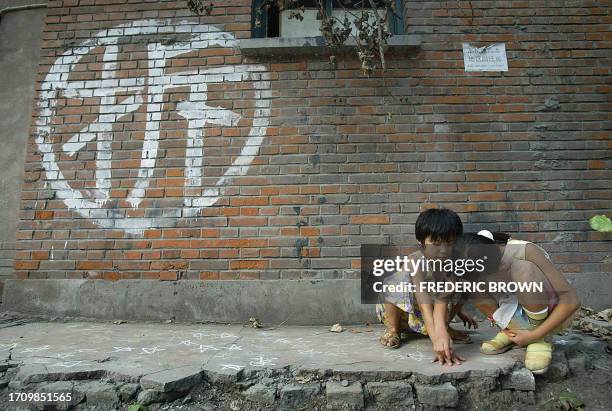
[(255, 322)]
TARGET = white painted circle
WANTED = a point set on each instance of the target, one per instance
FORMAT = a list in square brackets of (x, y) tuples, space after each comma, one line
[(199, 37)]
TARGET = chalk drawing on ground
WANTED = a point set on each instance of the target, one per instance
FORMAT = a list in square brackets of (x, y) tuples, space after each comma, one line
[(64, 355), (231, 367), (36, 349), (204, 348), (70, 364), (151, 350), (122, 349), (222, 355), (261, 361), (8, 346), (310, 352)]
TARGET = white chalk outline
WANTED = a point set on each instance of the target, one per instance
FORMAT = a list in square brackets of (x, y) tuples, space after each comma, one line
[(261, 361), (36, 349), (151, 350), (70, 364), (231, 367), (122, 349), (204, 348)]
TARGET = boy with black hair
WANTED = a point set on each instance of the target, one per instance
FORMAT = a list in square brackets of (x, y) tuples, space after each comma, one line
[(436, 231)]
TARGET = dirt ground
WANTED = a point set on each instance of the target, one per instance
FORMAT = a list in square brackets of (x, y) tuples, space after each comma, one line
[(593, 388)]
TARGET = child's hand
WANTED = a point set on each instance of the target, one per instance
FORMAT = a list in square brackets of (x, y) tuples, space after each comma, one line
[(520, 337), (455, 359), (468, 320), (443, 349)]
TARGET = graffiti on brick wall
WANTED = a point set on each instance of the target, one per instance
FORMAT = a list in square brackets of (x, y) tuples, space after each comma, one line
[(149, 91)]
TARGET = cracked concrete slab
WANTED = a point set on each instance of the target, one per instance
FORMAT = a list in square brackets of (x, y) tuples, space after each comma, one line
[(165, 354), (111, 365)]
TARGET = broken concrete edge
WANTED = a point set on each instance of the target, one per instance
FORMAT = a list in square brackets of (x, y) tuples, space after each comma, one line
[(264, 386), (292, 385), (513, 375), (296, 46), (570, 353), (280, 385), (192, 375)]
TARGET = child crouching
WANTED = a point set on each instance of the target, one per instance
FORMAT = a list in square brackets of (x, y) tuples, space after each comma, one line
[(528, 317)]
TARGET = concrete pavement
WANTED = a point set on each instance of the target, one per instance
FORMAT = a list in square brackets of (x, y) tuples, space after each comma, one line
[(113, 365)]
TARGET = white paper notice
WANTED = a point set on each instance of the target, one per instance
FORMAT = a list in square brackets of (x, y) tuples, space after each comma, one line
[(487, 58)]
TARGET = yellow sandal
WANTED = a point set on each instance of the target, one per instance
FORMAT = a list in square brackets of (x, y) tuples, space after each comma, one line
[(538, 356), (499, 344), (539, 353)]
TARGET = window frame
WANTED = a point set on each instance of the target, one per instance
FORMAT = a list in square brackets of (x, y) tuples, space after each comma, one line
[(395, 21)]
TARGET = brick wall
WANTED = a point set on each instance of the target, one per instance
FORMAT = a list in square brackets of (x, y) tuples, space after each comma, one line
[(303, 163)]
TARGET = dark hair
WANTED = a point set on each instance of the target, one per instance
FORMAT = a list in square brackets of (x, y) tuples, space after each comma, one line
[(439, 224), (474, 246)]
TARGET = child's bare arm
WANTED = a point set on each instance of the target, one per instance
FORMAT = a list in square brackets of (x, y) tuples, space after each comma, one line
[(443, 344), (425, 303), (436, 327), (568, 300), (457, 310), (440, 318)]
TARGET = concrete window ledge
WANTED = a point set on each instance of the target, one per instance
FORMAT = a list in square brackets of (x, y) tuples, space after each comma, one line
[(296, 46)]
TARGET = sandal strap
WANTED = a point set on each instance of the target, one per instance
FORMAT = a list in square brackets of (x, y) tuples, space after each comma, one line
[(500, 341), (539, 346), (539, 350), (496, 344), (392, 335)]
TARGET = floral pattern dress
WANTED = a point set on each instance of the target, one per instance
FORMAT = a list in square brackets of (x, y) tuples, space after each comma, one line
[(411, 318)]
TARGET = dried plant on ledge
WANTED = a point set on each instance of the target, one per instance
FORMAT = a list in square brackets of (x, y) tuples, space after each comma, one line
[(371, 25)]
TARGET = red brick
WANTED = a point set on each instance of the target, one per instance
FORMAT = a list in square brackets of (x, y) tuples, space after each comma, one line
[(475, 142), (26, 265), (44, 215), (168, 276), (370, 219), (208, 275), (40, 255), (248, 264), (94, 265)]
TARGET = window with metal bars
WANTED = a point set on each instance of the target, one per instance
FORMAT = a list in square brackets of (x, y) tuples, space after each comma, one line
[(276, 23)]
